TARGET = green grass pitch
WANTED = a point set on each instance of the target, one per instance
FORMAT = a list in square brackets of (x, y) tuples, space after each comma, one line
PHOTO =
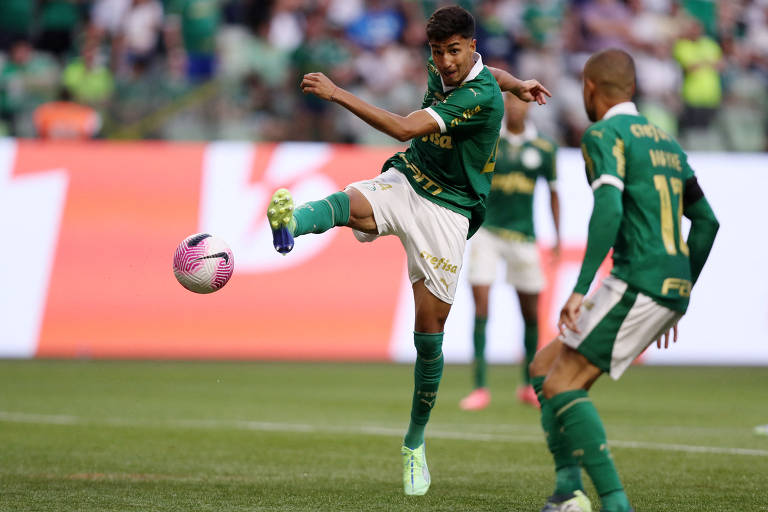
[(188, 436)]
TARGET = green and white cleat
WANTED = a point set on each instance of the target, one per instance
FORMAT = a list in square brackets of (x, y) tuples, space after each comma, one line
[(576, 501), (280, 216), (415, 472)]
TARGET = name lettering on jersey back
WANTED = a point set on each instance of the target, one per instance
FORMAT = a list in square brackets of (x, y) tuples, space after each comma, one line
[(660, 158), (441, 141), (513, 182), (467, 114), (419, 177), (440, 263), (648, 131)]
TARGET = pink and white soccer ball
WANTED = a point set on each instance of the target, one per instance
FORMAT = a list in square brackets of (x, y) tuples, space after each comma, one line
[(203, 263)]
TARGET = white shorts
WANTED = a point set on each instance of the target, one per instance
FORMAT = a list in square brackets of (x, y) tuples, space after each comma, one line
[(521, 257), (433, 236), (617, 323)]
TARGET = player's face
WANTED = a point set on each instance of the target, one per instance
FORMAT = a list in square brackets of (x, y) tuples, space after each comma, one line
[(453, 58)]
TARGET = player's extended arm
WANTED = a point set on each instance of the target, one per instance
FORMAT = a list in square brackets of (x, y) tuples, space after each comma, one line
[(603, 228), (704, 226), (526, 90), (402, 128)]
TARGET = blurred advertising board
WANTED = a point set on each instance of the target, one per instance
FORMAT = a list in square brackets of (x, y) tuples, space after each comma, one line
[(90, 230)]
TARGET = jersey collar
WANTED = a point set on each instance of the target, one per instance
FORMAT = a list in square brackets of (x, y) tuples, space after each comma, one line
[(517, 139), (626, 107), (476, 69)]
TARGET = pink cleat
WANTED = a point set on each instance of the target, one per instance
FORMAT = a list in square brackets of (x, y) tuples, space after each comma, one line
[(476, 400), (527, 395)]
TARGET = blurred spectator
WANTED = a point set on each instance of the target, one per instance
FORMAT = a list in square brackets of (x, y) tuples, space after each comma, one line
[(27, 79), (659, 78), (493, 40), (287, 25), (140, 33), (381, 23), (105, 26), (319, 52), (231, 68), (701, 60), (66, 119), (605, 24), (16, 18), (88, 80), (705, 11), (59, 19), (193, 25)]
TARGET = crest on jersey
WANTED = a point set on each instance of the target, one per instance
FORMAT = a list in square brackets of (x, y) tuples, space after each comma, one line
[(530, 158)]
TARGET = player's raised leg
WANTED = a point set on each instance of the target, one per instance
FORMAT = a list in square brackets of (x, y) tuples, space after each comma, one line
[(281, 221), (431, 314), (569, 488), (348, 208)]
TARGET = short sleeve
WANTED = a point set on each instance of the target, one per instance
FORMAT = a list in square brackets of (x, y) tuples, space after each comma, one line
[(603, 151), (463, 108)]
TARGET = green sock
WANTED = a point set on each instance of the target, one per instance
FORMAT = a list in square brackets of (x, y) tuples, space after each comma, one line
[(320, 216), (531, 341), (426, 376), (478, 337), (567, 470), (585, 437)]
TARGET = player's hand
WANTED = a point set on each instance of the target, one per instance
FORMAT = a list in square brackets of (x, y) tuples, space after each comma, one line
[(570, 313), (665, 336), (319, 85), (532, 90)]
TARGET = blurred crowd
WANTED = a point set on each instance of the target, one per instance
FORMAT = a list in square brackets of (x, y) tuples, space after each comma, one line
[(230, 69)]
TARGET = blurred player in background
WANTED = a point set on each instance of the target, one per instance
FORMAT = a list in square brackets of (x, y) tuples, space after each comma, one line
[(642, 186), (523, 156), (432, 196)]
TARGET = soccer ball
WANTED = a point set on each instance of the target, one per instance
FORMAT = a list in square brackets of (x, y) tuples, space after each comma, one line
[(203, 263)]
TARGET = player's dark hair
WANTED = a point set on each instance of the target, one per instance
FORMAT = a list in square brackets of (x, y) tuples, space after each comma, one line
[(448, 21)]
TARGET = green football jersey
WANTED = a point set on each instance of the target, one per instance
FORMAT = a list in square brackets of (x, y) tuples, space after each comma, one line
[(626, 151), (453, 167), (520, 161)]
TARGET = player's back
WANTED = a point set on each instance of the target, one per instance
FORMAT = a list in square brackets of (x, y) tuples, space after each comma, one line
[(650, 252)]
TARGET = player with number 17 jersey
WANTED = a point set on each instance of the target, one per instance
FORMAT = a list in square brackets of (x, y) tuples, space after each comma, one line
[(626, 151)]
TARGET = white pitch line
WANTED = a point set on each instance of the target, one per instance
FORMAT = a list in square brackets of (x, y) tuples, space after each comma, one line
[(263, 426)]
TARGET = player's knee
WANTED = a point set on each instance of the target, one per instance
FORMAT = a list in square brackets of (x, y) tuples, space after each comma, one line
[(432, 325)]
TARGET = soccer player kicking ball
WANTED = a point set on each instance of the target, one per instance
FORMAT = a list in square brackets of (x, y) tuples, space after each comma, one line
[(507, 234), (642, 185), (432, 196)]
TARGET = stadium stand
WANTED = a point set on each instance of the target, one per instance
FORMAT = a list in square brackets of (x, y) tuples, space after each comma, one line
[(229, 69)]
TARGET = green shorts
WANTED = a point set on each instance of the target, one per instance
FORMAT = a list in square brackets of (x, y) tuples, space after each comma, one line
[(617, 324)]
